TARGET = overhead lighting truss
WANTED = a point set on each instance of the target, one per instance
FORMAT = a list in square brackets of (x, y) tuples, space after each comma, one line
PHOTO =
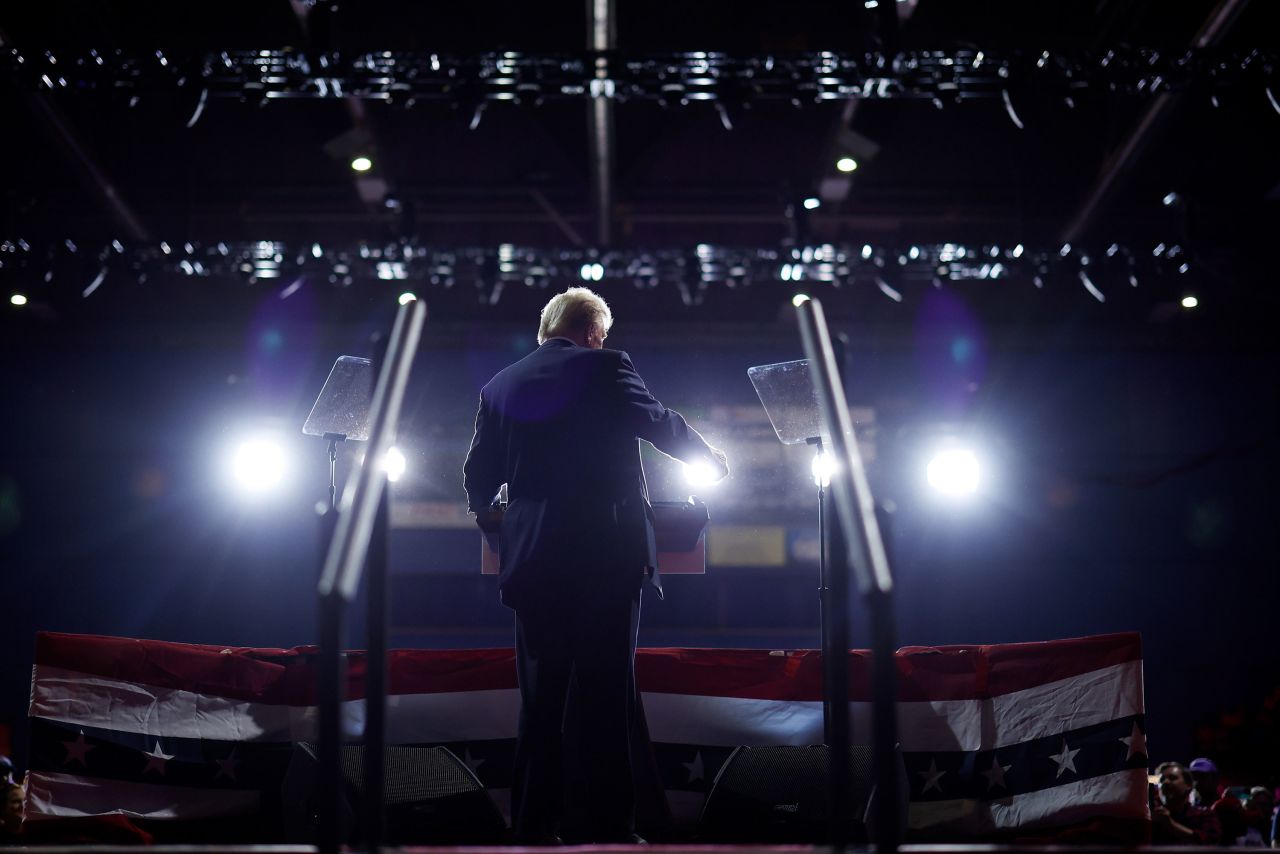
[(409, 77), (58, 267)]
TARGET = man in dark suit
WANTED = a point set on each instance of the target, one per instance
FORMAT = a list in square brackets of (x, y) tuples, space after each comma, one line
[(560, 429)]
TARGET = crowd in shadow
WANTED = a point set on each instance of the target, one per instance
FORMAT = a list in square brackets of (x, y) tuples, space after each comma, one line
[(1190, 806)]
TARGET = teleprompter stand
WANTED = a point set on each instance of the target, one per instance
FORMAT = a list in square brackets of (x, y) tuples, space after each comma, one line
[(786, 392), (805, 402), (341, 412)]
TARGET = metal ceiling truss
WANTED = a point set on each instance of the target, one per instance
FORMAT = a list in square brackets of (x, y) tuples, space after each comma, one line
[(65, 268), (672, 79)]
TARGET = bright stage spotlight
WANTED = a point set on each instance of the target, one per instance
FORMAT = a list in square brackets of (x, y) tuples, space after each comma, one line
[(407, 297), (18, 299), (846, 164), (259, 466), (394, 464), (954, 472), (823, 467), (361, 164), (701, 474), (812, 203), (1190, 302)]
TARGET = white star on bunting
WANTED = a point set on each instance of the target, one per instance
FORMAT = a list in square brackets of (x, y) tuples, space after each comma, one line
[(695, 768), (77, 750), (227, 767), (156, 760), (995, 774), (1136, 743), (1066, 759), (931, 777)]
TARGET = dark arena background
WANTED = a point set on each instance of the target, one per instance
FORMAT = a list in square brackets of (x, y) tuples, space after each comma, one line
[(1044, 231)]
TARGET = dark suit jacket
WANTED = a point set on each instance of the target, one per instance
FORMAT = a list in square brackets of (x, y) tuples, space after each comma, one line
[(560, 428)]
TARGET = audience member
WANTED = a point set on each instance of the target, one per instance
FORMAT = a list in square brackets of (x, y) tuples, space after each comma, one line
[(11, 818), (1176, 820), (1236, 822), (1258, 806), (1259, 814)]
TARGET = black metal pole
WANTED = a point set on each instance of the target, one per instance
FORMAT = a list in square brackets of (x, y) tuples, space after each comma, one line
[(824, 597), (858, 547), (884, 721), (333, 476), (835, 666), (375, 686), (601, 37), (331, 677), (361, 513)]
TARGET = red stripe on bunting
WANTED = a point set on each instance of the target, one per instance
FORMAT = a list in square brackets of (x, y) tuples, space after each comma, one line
[(978, 672), (924, 673), (287, 676), (272, 676)]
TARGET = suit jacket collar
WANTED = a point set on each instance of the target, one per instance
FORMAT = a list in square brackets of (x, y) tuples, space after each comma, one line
[(559, 341)]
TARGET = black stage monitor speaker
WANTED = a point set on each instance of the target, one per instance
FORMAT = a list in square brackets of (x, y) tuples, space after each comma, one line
[(431, 798), (780, 794)]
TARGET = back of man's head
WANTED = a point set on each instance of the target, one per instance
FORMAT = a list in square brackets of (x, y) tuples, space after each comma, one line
[(570, 313)]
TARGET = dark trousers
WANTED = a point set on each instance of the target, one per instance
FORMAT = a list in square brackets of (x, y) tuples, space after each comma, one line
[(584, 651)]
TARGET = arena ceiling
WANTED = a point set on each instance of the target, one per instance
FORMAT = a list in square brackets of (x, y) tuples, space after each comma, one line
[(1043, 165)]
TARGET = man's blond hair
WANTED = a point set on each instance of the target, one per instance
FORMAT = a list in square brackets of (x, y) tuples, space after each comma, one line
[(571, 312)]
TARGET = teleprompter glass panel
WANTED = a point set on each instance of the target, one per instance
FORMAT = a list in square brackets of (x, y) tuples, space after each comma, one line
[(786, 390), (343, 405)]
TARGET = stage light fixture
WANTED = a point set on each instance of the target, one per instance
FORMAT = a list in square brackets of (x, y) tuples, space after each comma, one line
[(361, 164), (799, 300), (18, 299), (812, 203), (259, 466), (846, 164), (700, 474), (954, 472), (391, 270), (1190, 301), (407, 297)]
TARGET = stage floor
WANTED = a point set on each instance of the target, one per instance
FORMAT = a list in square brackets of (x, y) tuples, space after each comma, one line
[(666, 849)]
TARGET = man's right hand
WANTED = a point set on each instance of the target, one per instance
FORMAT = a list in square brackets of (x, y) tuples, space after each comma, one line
[(721, 462)]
